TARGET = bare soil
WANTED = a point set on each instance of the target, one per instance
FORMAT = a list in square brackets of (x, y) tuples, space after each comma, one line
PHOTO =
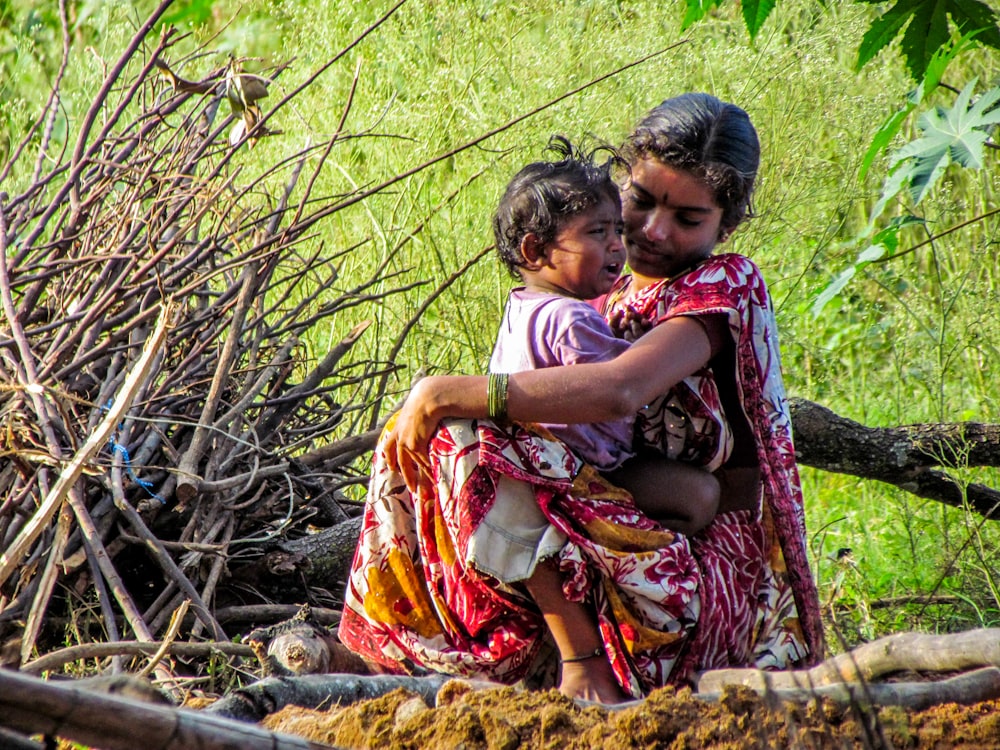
[(507, 719)]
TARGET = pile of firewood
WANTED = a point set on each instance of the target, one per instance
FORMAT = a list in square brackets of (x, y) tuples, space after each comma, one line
[(164, 422)]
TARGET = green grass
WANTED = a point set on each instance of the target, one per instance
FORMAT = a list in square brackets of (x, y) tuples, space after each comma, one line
[(911, 340)]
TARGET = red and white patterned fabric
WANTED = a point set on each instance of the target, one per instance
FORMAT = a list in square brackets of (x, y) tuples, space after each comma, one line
[(737, 594), (763, 598)]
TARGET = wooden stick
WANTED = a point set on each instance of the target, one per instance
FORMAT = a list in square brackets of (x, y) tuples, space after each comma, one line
[(34, 706), (965, 689), (46, 585), (189, 481), (916, 652), (56, 659), (15, 553)]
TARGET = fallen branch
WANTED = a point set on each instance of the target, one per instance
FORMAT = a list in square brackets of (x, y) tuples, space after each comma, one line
[(33, 706), (254, 702), (902, 652), (909, 457), (973, 687)]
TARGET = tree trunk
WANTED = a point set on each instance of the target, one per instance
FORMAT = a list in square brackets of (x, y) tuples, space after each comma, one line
[(906, 457)]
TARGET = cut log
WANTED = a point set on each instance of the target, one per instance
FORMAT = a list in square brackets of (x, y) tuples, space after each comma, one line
[(327, 554)]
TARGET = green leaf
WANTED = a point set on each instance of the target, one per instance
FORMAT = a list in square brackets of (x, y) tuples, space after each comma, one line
[(696, 10), (755, 13), (924, 25), (188, 12), (957, 134), (886, 242), (940, 60), (894, 182), (835, 288), (883, 30), (976, 16), (926, 33), (871, 254), (883, 138)]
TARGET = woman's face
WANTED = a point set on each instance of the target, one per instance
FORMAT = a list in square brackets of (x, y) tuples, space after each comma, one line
[(671, 220)]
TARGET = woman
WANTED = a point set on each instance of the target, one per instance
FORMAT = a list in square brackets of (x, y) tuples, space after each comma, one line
[(706, 381)]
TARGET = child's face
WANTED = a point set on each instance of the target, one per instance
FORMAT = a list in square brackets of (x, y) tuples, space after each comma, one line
[(586, 257), (671, 219)]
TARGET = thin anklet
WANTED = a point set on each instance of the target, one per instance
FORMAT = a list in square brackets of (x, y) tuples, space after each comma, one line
[(599, 651)]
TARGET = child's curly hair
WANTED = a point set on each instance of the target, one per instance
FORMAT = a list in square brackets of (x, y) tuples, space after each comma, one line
[(543, 195)]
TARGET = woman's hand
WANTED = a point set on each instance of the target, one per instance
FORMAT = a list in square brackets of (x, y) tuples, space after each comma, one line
[(409, 434)]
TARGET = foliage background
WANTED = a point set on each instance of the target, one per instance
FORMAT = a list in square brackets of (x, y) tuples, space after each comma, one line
[(911, 339)]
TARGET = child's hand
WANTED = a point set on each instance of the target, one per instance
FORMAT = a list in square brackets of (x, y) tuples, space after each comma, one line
[(628, 324)]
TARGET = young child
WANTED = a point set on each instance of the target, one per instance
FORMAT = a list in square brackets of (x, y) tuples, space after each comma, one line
[(558, 229)]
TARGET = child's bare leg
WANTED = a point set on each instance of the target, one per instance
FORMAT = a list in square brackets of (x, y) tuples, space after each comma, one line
[(682, 497), (575, 632)]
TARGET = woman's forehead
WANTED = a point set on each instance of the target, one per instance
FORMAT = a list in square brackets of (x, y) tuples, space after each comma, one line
[(666, 184)]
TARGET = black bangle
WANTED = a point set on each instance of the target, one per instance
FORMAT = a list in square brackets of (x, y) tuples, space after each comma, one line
[(599, 651)]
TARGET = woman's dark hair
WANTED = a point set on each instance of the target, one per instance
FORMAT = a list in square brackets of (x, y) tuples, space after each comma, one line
[(543, 195), (713, 140)]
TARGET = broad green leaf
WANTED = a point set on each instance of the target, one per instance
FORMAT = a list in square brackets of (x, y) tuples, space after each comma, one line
[(886, 242), (925, 29), (957, 134), (940, 60), (755, 13), (894, 182), (883, 138), (870, 254), (188, 12), (926, 33), (883, 30), (976, 16)]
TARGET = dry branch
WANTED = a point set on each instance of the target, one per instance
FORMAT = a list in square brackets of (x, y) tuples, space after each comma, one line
[(965, 689), (902, 652), (33, 706), (54, 660), (173, 451)]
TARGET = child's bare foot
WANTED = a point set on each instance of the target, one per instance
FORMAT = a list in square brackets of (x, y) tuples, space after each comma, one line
[(591, 680)]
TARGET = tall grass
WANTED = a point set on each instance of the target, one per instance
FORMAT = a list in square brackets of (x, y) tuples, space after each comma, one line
[(911, 340)]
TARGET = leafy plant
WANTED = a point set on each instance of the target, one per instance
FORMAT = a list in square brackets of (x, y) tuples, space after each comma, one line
[(951, 135), (957, 135), (923, 25), (925, 30)]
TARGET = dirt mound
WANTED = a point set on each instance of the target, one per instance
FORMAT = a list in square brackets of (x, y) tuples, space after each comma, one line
[(507, 720)]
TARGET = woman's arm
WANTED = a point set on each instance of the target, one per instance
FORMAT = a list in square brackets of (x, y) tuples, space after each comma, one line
[(596, 392)]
